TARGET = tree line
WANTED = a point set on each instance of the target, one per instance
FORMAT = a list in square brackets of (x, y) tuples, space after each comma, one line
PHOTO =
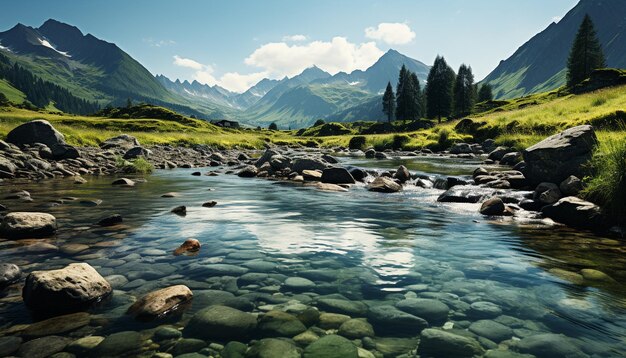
[(40, 92), (446, 94)]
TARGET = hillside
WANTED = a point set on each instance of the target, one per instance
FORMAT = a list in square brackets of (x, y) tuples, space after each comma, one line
[(539, 64)]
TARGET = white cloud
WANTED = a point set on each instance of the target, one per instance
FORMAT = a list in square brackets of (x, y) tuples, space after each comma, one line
[(159, 43), (391, 33), (280, 59), (236, 82), (187, 62), (294, 38)]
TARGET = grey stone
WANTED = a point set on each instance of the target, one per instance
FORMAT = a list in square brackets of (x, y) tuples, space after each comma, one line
[(220, 322), (388, 319), (331, 346), (575, 212), (37, 131), (437, 343), (120, 344), (17, 225), (272, 348), (9, 274), (492, 330), (337, 176), (550, 345), (433, 311), (493, 206), (384, 185)]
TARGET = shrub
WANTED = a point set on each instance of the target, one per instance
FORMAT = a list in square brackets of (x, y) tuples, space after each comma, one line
[(443, 139), (400, 141), (273, 127), (357, 142), (319, 122), (139, 165), (607, 184)]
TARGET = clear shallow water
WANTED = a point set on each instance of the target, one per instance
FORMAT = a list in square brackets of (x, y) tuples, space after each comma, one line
[(373, 247)]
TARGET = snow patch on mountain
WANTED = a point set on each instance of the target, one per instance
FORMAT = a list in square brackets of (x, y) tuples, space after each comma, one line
[(47, 44)]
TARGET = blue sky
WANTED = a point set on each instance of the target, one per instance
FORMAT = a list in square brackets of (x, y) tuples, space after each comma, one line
[(236, 43)]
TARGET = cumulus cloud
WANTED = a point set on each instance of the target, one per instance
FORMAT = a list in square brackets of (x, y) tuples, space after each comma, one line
[(187, 62), (280, 59), (391, 33), (294, 38), (236, 82)]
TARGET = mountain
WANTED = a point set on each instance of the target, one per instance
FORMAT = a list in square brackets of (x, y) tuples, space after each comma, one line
[(301, 100), (92, 69), (540, 64)]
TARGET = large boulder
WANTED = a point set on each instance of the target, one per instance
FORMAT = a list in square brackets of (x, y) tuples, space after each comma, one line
[(161, 302), (37, 131), (123, 141), (337, 176), (72, 288), (64, 151), (402, 174), (384, 185), (220, 322), (575, 212), (137, 152), (559, 156), (27, 224), (460, 148)]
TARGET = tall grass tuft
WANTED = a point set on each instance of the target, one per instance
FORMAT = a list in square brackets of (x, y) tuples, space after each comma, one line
[(139, 165), (607, 185)]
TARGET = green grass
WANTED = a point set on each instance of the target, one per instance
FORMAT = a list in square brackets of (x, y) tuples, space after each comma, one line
[(607, 185), (139, 165), (13, 94)]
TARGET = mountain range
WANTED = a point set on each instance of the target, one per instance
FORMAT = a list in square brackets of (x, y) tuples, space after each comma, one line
[(101, 72), (540, 64)]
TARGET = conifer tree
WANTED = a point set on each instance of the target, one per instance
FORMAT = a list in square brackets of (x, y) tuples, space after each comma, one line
[(485, 93), (389, 102), (400, 94), (415, 108), (586, 53), (464, 91), (439, 89)]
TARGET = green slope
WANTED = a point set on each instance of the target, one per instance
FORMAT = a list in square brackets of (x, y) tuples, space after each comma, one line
[(13, 94)]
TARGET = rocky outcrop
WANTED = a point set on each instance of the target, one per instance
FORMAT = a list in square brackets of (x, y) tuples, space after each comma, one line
[(575, 212), (559, 156), (72, 288), (161, 302), (27, 224), (123, 141)]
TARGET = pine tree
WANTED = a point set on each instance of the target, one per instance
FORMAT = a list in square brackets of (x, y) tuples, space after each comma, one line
[(400, 94), (586, 54), (464, 97), (389, 102), (439, 89), (485, 93), (416, 109), (273, 127), (129, 102)]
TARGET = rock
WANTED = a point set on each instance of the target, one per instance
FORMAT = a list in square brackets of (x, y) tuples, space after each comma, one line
[(595, 275), (389, 320), (511, 158), (120, 344), (279, 162), (331, 346), (267, 155), (332, 320), (64, 151), (493, 206), (547, 193), (196, 174), (249, 171), (337, 176), (72, 288), (549, 345), (301, 164), (358, 174), (123, 141), (234, 349), (160, 303), (43, 347), (312, 175), (559, 156), (37, 131), (395, 347), (82, 346), (381, 155), (137, 152), (111, 220), (330, 187), (166, 334), (492, 330), (272, 348), (209, 204), (280, 324), (575, 212), (188, 346), (460, 148), (123, 182), (57, 325), (330, 159), (571, 186), (356, 328), (350, 308), (17, 225), (73, 249), (298, 283), (465, 194), (220, 322), (424, 183), (189, 246), (7, 166), (9, 274), (384, 185), (484, 309), (9, 345), (306, 338), (433, 311), (498, 153), (437, 343), (180, 210), (402, 174)]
